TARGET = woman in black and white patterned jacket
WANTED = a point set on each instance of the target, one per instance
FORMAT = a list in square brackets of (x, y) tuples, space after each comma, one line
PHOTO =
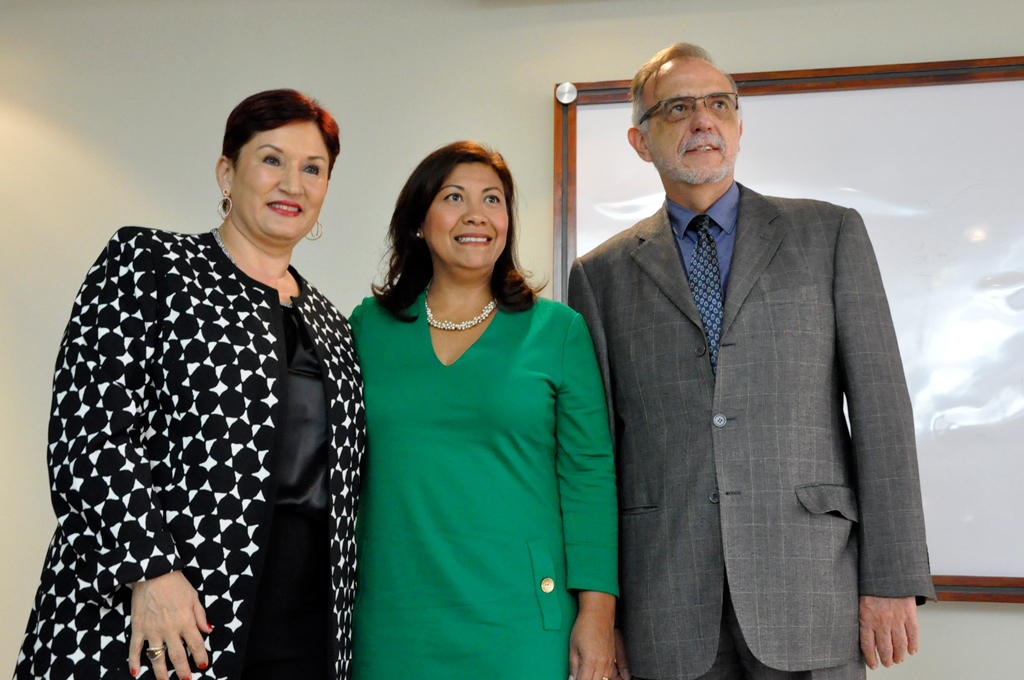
[(205, 438)]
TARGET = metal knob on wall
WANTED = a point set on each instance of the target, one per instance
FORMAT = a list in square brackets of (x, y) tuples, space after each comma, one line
[(565, 93)]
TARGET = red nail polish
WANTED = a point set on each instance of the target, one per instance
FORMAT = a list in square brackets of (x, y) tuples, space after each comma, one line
[(134, 672), (202, 666)]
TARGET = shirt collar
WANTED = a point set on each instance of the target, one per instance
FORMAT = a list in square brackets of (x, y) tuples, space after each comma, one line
[(724, 212)]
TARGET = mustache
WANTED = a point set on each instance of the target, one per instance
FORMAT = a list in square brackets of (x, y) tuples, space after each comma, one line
[(703, 139)]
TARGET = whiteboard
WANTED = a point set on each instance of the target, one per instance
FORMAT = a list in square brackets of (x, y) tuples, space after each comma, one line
[(937, 173)]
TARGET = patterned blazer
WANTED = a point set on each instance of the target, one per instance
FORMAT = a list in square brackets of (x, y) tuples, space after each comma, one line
[(168, 386), (755, 473)]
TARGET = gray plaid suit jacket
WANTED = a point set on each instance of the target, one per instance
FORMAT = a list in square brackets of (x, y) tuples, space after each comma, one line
[(802, 512)]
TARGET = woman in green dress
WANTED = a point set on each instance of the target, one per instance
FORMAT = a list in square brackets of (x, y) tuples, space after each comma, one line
[(487, 530)]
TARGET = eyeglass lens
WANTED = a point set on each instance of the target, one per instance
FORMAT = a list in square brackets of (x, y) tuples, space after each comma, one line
[(721, 105)]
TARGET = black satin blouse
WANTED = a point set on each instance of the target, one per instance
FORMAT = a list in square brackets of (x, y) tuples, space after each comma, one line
[(291, 620), (302, 460)]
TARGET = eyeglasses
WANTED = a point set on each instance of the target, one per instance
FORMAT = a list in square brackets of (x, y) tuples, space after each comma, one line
[(675, 109)]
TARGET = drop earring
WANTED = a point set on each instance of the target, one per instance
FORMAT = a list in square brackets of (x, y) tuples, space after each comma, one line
[(224, 206)]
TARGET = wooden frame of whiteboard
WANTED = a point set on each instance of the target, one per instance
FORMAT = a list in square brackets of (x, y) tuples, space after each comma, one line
[(948, 588)]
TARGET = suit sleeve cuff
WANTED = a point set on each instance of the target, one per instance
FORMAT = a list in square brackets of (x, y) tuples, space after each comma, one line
[(922, 589)]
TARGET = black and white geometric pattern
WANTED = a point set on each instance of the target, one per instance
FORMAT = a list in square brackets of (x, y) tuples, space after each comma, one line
[(167, 388)]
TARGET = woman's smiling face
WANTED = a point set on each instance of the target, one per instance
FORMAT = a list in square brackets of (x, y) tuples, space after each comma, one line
[(467, 223), (278, 184)]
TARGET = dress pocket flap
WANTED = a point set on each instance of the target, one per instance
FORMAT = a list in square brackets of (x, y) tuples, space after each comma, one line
[(820, 499), (544, 584)]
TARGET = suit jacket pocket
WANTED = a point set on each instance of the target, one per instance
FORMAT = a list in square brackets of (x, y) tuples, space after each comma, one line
[(638, 510), (802, 293), (835, 499)]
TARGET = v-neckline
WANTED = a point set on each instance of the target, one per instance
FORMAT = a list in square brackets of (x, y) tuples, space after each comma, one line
[(430, 342)]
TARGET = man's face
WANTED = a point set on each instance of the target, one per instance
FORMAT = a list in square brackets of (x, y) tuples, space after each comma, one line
[(700, 149)]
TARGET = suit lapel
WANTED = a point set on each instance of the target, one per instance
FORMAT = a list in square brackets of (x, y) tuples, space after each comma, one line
[(759, 230), (658, 257)]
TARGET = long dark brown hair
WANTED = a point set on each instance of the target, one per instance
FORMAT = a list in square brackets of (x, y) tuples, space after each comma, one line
[(410, 268)]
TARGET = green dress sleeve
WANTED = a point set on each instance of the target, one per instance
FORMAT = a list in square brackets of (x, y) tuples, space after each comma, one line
[(586, 468), (355, 319)]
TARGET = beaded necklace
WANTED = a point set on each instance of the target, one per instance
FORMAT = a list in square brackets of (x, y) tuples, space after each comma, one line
[(451, 326)]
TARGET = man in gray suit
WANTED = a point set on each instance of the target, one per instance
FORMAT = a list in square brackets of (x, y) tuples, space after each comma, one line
[(760, 536)]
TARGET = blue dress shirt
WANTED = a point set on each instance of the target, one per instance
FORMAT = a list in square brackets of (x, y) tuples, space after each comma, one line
[(723, 229)]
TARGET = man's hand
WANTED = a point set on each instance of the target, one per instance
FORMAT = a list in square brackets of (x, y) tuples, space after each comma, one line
[(888, 629), (620, 657)]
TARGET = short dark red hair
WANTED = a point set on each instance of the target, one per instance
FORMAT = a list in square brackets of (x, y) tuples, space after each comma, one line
[(272, 109)]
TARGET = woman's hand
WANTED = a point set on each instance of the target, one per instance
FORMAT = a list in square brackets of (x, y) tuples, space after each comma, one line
[(165, 611), (592, 642)]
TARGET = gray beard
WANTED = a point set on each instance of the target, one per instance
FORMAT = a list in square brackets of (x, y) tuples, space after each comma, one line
[(679, 174), (696, 176)]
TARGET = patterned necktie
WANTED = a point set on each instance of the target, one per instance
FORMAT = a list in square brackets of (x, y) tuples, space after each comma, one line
[(706, 284)]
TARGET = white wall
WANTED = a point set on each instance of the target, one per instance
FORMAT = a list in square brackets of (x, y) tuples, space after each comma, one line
[(111, 113)]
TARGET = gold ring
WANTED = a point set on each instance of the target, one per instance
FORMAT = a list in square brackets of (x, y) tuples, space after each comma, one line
[(155, 653)]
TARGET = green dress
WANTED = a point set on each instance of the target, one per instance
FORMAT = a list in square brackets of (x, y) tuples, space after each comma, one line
[(488, 484)]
